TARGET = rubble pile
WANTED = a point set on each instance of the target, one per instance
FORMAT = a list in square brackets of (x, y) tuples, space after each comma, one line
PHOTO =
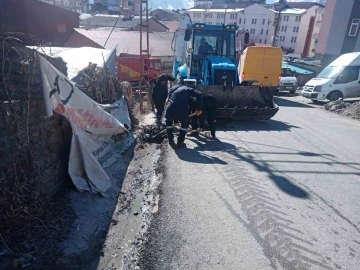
[(99, 85), (344, 108), (152, 134)]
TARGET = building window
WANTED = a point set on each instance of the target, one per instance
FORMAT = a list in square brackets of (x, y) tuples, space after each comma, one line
[(354, 27), (222, 16), (244, 21), (232, 16), (260, 40), (66, 3), (262, 31), (253, 21), (58, 2), (263, 21), (79, 3), (61, 28), (252, 31), (267, 32), (265, 41), (282, 28), (240, 21), (285, 28), (283, 39), (218, 16), (294, 39), (210, 23)]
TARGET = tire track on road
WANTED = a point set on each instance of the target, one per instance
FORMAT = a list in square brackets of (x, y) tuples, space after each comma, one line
[(278, 236)]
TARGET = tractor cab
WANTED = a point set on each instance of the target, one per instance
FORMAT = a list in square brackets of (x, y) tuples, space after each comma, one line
[(213, 45)]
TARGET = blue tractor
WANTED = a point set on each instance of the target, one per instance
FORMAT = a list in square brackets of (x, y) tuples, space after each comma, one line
[(210, 55), (206, 56)]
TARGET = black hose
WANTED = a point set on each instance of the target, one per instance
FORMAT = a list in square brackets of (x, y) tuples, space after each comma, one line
[(172, 42)]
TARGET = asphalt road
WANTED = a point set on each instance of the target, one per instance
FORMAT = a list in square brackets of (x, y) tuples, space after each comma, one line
[(282, 194)]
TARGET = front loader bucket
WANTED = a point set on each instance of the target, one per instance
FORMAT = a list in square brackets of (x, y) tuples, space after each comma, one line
[(242, 102)]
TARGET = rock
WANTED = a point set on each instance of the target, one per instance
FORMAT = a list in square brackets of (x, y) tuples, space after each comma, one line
[(336, 105), (136, 213)]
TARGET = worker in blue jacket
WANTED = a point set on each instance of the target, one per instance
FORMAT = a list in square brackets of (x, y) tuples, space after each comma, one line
[(209, 106), (178, 108), (160, 93)]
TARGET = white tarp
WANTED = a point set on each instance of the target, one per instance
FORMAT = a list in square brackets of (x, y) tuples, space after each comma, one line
[(95, 131)]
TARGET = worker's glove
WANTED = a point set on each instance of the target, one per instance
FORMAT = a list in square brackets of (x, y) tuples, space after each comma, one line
[(198, 112)]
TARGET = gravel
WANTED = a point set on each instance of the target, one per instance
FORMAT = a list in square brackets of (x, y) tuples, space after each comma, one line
[(341, 107)]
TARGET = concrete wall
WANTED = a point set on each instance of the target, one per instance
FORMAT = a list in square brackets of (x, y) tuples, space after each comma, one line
[(333, 29), (303, 30), (319, 18)]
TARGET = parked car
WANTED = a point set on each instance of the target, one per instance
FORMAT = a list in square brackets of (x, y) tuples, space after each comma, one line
[(288, 81), (340, 79)]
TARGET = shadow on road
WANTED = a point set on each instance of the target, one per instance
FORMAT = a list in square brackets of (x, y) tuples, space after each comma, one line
[(283, 183), (270, 125), (194, 156), (288, 103)]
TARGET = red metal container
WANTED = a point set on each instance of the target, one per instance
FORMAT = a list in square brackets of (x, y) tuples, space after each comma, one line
[(129, 69)]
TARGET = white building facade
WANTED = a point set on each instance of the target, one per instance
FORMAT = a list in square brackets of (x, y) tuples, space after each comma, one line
[(258, 20), (297, 30), (309, 31), (288, 28)]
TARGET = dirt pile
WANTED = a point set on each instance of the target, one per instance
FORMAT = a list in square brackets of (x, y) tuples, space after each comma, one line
[(152, 134), (344, 108)]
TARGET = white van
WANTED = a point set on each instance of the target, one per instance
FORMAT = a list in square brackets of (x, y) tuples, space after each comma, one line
[(340, 79), (288, 81)]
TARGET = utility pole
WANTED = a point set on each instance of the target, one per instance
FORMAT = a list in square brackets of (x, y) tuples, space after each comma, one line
[(144, 53), (225, 6), (277, 20)]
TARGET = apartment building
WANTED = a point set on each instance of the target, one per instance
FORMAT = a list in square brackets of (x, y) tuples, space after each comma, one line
[(73, 5), (256, 19), (223, 2), (288, 26), (340, 28), (309, 31), (295, 27)]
